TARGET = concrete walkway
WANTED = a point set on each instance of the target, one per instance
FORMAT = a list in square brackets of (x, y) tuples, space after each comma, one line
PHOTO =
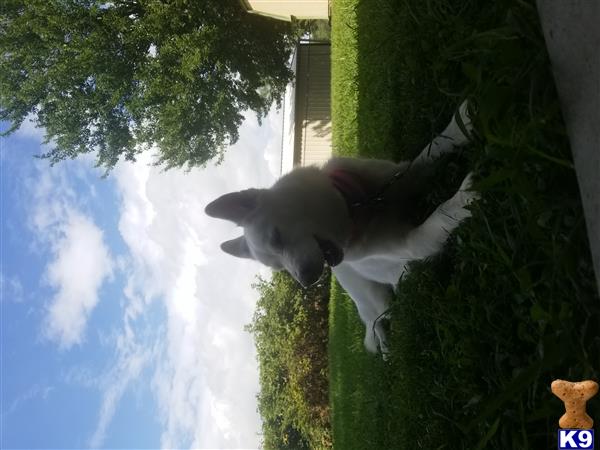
[(572, 34)]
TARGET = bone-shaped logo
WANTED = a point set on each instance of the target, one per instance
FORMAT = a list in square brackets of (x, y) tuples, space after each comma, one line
[(574, 396)]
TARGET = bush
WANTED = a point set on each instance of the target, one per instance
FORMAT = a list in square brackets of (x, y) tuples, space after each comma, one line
[(291, 333)]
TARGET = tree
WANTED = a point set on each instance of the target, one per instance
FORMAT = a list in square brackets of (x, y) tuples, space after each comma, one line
[(290, 330), (118, 77)]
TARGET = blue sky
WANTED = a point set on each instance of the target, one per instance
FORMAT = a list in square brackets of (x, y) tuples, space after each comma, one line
[(122, 322)]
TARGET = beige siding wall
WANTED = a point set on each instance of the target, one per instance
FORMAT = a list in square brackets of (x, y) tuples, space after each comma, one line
[(302, 9), (313, 105)]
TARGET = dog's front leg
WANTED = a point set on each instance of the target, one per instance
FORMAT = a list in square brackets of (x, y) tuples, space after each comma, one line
[(372, 301), (449, 139), (429, 237)]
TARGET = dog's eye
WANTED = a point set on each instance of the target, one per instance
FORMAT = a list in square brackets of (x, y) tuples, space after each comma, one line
[(276, 240)]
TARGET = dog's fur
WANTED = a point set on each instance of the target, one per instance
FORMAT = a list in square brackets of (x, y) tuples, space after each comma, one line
[(308, 219)]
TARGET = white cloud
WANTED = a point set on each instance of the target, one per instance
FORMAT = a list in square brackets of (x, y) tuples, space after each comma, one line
[(133, 357), (205, 374), (80, 260), (206, 379), (81, 265), (11, 289), (34, 392)]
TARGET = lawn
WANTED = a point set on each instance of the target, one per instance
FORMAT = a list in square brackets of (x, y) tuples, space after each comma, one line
[(479, 332)]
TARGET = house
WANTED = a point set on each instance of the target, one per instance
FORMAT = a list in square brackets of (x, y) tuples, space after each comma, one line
[(307, 108), (289, 9), (306, 134)]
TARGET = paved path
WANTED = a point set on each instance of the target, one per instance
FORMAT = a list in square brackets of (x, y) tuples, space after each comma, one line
[(572, 34)]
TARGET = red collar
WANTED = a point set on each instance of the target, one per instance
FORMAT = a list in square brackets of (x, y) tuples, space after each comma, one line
[(350, 186)]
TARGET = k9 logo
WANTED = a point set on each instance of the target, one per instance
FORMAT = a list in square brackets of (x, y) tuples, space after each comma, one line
[(568, 439)]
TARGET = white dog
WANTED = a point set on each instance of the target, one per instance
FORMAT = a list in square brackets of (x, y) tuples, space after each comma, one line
[(359, 216)]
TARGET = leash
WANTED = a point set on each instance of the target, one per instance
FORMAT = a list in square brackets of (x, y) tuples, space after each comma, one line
[(354, 192), (378, 197)]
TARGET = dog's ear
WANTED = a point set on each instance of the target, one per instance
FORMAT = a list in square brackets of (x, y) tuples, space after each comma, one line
[(237, 247), (234, 206)]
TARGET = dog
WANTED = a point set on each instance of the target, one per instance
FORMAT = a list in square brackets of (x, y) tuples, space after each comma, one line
[(361, 217)]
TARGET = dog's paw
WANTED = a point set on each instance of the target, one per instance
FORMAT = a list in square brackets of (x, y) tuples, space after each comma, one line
[(467, 194), (460, 128), (465, 117), (371, 341), (376, 339), (384, 350), (457, 206), (381, 332), (385, 355)]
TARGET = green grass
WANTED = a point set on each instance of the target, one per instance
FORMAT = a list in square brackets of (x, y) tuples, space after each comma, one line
[(353, 391), (479, 332)]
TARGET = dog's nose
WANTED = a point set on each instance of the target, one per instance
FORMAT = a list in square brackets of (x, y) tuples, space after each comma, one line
[(307, 276)]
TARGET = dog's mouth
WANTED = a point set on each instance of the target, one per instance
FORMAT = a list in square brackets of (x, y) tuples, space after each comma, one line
[(332, 253)]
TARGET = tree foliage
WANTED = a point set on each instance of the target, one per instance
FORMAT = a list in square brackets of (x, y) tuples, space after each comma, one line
[(122, 76), (290, 328)]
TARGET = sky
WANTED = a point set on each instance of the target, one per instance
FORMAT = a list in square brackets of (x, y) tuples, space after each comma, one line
[(122, 320)]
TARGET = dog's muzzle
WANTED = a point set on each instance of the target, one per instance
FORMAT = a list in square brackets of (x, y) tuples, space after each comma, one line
[(332, 253)]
